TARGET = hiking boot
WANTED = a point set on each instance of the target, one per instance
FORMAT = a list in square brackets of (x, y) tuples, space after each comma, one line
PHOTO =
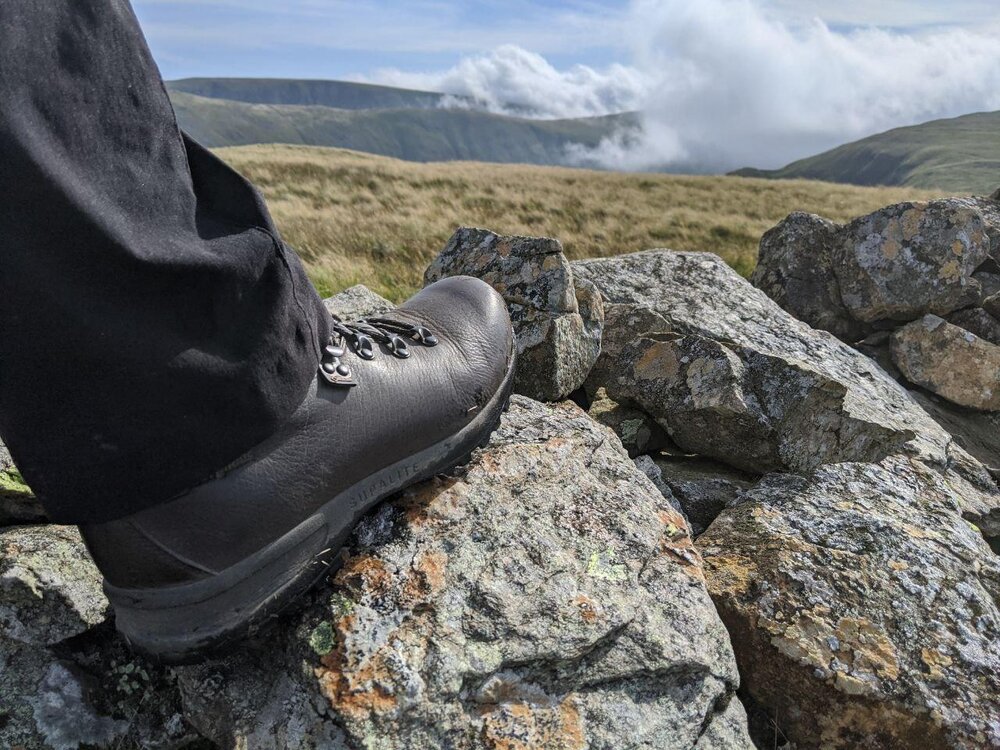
[(397, 399)]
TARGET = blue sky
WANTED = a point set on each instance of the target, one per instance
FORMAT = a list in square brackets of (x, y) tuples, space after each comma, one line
[(337, 39), (720, 83), (354, 38)]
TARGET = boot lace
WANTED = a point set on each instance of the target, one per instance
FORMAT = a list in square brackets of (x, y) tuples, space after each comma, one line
[(361, 336)]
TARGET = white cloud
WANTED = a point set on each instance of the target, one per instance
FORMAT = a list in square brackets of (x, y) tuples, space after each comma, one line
[(513, 80), (738, 86), (728, 83)]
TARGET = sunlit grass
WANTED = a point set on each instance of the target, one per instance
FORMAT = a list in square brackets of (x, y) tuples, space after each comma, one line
[(356, 218)]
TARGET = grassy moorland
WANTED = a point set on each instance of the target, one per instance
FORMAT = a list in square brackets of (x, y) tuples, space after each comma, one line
[(961, 155), (424, 134), (358, 218)]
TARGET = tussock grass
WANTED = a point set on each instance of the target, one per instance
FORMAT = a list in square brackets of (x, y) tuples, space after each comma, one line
[(357, 218)]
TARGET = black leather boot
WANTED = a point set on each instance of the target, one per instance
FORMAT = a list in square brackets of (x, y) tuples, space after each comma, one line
[(397, 400)]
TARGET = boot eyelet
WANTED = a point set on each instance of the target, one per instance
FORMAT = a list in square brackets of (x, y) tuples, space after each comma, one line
[(398, 347), (364, 346)]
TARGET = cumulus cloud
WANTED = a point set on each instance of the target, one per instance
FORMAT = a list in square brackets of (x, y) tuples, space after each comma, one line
[(513, 80), (729, 83), (740, 86)]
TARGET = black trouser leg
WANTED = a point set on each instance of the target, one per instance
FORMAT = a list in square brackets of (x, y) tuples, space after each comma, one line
[(152, 325)]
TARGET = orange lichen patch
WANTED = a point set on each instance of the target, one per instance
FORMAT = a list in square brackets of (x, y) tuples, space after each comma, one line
[(658, 361), (557, 443), (572, 723), (814, 639), (361, 685), (918, 533), (356, 693), (364, 577), (763, 512), (428, 500), (528, 726), (958, 247), (671, 519), (950, 271), (936, 662), (677, 543), (730, 574), (426, 576), (589, 609), (871, 650)]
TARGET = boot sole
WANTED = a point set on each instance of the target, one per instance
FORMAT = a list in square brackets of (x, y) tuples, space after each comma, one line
[(187, 623)]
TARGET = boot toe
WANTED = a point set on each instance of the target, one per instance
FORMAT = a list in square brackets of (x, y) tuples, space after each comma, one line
[(468, 315)]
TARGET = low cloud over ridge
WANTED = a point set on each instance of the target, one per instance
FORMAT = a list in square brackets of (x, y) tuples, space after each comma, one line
[(729, 83)]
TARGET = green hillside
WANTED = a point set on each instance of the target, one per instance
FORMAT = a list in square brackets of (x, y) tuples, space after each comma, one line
[(337, 94), (958, 155), (412, 134)]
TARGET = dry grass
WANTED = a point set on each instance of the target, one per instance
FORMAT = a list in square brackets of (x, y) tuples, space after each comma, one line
[(357, 218)]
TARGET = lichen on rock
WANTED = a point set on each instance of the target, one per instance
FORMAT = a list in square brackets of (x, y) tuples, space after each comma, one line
[(545, 596), (557, 319), (863, 608), (949, 361), (753, 387)]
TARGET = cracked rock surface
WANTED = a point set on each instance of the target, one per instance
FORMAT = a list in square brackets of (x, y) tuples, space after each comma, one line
[(896, 264), (547, 596), (50, 592), (795, 269), (557, 320), (864, 610), (737, 378)]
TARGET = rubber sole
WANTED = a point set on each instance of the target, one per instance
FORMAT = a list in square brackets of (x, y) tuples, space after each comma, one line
[(187, 623)]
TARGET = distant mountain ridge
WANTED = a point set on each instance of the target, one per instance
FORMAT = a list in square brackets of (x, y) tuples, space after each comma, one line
[(411, 125), (957, 155), (336, 94)]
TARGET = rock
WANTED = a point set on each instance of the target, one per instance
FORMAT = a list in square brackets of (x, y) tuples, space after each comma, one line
[(989, 282), (992, 305), (264, 696), (697, 488), (623, 324), (796, 267), (50, 592), (557, 321), (863, 608), (897, 264), (50, 589), (876, 347), (17, 503), (545, 596), (949, 361), (703, 488), (976, 320), (978, 432), (638, 431), (910, 259), (758, 389), (357, 302), (648, 466)]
